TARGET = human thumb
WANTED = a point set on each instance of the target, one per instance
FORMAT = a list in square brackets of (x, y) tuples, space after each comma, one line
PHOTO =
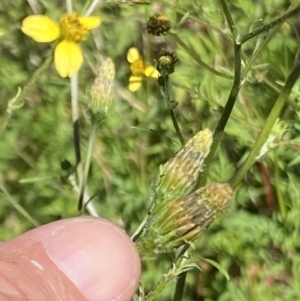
[(82, 259)]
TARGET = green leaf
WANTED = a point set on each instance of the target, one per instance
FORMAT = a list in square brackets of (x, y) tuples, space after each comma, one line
[(218, 267)]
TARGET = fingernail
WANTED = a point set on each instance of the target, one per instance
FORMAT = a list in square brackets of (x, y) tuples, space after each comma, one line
[(98, 257)]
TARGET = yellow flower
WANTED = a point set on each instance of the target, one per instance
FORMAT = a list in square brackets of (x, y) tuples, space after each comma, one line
[(68, 56), (139, 69)]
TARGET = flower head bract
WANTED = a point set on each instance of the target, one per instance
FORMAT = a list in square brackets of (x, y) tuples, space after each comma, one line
[(73, 29), (139, 69)]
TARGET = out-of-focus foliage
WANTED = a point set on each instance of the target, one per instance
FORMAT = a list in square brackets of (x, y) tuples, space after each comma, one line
[(257, 239)]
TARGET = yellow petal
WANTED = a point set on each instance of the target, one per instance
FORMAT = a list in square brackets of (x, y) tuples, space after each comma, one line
[(133, 55), (90, 22), (40, 28), (135, 83), (68, 58), (150, 71)]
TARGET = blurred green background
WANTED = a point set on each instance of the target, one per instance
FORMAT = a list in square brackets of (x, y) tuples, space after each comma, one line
[(257, 239)]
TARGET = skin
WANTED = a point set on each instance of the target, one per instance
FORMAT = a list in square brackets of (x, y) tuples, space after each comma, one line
[(82, 259)]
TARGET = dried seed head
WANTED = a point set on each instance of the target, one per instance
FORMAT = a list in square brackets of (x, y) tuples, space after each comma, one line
[(182, 220), (158, 25), (179, 175), (102, 91)]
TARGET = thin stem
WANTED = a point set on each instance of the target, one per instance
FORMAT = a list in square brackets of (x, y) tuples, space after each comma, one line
[(280, 197), (278, 21), (281, 100), (35, 77), (69, 6), (229, 18), (92, 7), (5, 119), (196, 58), (76, 140), (164, 89), (18, 101), (18, 207), (265, 42), (178, 294), (176, 126), (225, 115), (171, 273), (75, 120), (92, 136)]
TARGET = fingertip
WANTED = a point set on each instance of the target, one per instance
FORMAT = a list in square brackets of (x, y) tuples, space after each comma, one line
[(93, 254), (98, 257)]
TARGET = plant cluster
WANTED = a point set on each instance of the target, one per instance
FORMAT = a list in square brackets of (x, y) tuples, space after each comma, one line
[(160, 115)]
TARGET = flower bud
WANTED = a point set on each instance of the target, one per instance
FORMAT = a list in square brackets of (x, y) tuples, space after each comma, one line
[(102, 91), (183, 219), (179, 175), (166, 62)]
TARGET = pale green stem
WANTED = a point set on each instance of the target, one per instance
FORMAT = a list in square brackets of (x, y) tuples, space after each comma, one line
[(92, 7), (275, 112), (35, 77), (69, 6), (161, 284), (92, 136), (21, 97), (18, 207), (164, 89), (5, 119), (76, 138), (280, 197), (169, 276)]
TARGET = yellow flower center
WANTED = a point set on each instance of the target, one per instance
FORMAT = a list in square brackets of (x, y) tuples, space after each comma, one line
[(138, 67), (71, 29)]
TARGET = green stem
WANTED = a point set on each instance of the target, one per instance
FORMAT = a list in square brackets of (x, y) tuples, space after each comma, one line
[(92, 136), (5, 119), (280, 197), (278, 21), (169, 276), (69, 6), (35, 77), (76, 140), (281, 100), (267, 39), (18, 101), (178, 294), (231, 98), (229, 19), (196, 58), (164, 89), (176, 126), (19, 208), (225, 115)]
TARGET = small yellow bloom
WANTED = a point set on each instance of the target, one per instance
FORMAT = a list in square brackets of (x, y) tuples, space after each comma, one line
[(139, 69), (73, 29)]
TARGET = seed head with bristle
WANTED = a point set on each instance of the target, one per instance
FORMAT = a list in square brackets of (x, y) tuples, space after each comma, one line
[(179, 175), (102, 91), (183, 219)]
